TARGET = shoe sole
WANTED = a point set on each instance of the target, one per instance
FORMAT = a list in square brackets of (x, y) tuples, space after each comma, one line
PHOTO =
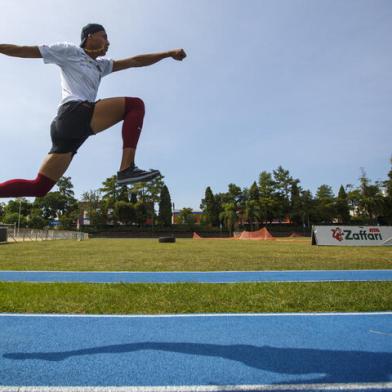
[(143, 178)]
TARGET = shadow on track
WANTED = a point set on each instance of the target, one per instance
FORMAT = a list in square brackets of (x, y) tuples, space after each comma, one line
[(338, 366)]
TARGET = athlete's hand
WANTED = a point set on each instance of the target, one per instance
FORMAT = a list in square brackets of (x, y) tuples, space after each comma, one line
[(178, 54)]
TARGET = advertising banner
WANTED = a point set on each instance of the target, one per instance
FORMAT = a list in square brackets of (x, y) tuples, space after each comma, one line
[(352, 235)]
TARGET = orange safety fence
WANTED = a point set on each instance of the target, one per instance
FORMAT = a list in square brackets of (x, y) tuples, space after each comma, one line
[(196, 236), (262, 234)]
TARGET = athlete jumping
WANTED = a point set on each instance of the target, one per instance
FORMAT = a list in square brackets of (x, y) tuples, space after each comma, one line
[(79, 115)]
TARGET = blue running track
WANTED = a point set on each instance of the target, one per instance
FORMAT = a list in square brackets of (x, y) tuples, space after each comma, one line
[(196, 352), (200, 277)]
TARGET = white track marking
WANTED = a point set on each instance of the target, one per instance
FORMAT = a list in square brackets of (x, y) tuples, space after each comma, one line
[(210, 388), (196, 315)]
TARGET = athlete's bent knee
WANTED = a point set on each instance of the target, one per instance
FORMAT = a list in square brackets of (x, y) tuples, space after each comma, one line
[(43, 185), (38, 187), (134, 104)]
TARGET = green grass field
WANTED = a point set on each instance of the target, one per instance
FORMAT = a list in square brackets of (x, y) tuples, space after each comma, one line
[(188, 255), (194, 298)]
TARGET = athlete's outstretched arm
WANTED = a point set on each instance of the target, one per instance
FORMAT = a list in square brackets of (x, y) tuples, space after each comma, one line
[(147, 59), (27, 52)]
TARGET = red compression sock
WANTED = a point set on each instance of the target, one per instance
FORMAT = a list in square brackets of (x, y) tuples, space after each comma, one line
[(18, 188), (133, 122)]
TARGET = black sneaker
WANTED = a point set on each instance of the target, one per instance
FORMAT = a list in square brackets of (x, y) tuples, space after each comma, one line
[(134, 174)]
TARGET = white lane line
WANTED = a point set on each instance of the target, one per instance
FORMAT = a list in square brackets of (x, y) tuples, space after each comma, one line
[(199, 282), (209, 388), (359, 314)]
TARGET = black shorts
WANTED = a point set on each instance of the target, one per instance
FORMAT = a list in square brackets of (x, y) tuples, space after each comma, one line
[(71, 127)]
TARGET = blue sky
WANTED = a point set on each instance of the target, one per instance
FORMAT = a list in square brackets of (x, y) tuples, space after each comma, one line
[(302, 84)]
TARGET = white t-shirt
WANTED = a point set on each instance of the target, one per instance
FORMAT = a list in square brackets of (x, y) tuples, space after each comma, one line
[(80, 74)]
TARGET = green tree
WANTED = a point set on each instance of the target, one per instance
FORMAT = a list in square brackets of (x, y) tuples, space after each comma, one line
[(133, 198), (283, 184), (229, 216), (307, 206), (234, 195), (254, 199), (59, 205), (1, 210), (186, 216), (149, 193), (22, 204), (142, 213), (124, 212), (210, 208), (69, 215), (65, 187), (36, 220), (95, 207), (13, 218), (165, 207), (267, 203), (353, 199), (17, 211), (112, 192), (296, 208), (254, 193), (387, 205), (219, 201), (250, 207), (51, 205), (251, 213), (69, 219), (371, 201), (325, 210), (342, 206)]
